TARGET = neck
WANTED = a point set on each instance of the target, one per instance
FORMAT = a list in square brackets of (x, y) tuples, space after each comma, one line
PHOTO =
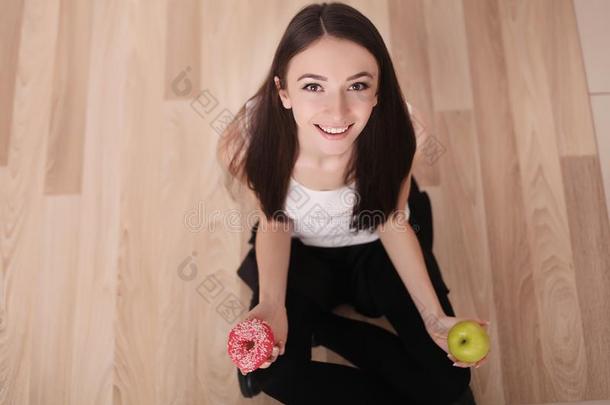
[(314, 159)]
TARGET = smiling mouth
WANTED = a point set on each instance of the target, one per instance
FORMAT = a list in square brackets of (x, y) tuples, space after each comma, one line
[(334, 130)]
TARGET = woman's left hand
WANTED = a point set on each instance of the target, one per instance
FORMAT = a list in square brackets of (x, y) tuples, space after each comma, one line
[(438, 330)]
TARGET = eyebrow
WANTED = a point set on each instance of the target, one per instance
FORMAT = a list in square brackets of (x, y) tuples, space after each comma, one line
[(318, 77)]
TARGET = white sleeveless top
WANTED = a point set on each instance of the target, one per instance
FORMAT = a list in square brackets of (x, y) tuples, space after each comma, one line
[(322, 218)]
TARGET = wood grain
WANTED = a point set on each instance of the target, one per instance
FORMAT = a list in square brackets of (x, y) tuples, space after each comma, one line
[(64, 164), (11, 22), (556, 308), (410, 58), (119, 241)]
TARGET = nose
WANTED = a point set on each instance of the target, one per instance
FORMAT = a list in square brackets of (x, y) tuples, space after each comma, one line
[(338, 108)]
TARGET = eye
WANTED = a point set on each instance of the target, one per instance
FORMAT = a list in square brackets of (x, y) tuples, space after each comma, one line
[(360, 87), (306, 87), (364, 86)]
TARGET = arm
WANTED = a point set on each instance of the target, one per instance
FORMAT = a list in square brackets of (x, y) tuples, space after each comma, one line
[(272, 246), (402, 246), (272, 252), (273, 239)]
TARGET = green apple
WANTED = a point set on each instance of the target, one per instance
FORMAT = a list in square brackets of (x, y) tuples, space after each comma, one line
[(468, 342)]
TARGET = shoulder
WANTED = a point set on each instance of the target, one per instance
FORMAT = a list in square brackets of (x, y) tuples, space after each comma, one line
[(232, 145), (405, 187), (420, 129)]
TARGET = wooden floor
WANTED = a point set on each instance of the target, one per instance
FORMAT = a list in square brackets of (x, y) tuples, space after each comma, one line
[(119, 243)]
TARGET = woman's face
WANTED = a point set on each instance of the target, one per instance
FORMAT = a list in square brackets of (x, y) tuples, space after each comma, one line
[(342, 93)]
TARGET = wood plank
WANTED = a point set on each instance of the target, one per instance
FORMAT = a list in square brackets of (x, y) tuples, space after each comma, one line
[(567, 79), (510, 256), (600, 105), (182, 49), (138, 324), (590, 235), (448, 58), (64, 165), (54, 290), (11, 23), (460, 239), (99, 288), (559, 325), (379, 13), (409, 54), (592, 17), (188, 306), (22, 204)]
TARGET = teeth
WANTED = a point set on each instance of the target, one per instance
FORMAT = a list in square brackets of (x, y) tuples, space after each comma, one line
[(332, 130)]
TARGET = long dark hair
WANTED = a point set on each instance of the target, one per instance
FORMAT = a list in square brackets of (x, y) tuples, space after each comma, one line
[(264, 158)]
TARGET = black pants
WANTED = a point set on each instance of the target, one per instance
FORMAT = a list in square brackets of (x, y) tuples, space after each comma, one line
[(408, 368)]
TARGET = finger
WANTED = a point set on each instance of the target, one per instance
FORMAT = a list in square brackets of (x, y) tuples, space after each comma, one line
[(480, 362), (271, 358), (457, 363), (282, 347), (274, 354)]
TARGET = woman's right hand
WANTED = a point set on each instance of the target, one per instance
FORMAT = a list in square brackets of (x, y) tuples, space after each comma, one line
[(275, 315)]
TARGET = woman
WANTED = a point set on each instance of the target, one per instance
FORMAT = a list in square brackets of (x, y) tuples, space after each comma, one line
[(327, 146)]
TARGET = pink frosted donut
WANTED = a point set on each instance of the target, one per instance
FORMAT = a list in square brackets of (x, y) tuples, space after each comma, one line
[(250, 344)]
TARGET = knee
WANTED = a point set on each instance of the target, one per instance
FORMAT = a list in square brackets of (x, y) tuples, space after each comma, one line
[(458, 383), (278, 380), (443, 390)]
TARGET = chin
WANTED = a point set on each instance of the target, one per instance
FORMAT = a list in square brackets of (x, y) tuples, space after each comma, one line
[(335, 143)]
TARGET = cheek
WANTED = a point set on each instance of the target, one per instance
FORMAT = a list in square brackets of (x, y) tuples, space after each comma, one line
[(362, 111), (304, 110), (303, 114), (312, 103), (364, 98)]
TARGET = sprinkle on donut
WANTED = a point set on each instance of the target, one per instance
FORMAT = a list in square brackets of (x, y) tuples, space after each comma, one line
[(250, 344)]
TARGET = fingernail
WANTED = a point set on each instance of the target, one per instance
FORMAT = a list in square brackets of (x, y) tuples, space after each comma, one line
[(454, 364)]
